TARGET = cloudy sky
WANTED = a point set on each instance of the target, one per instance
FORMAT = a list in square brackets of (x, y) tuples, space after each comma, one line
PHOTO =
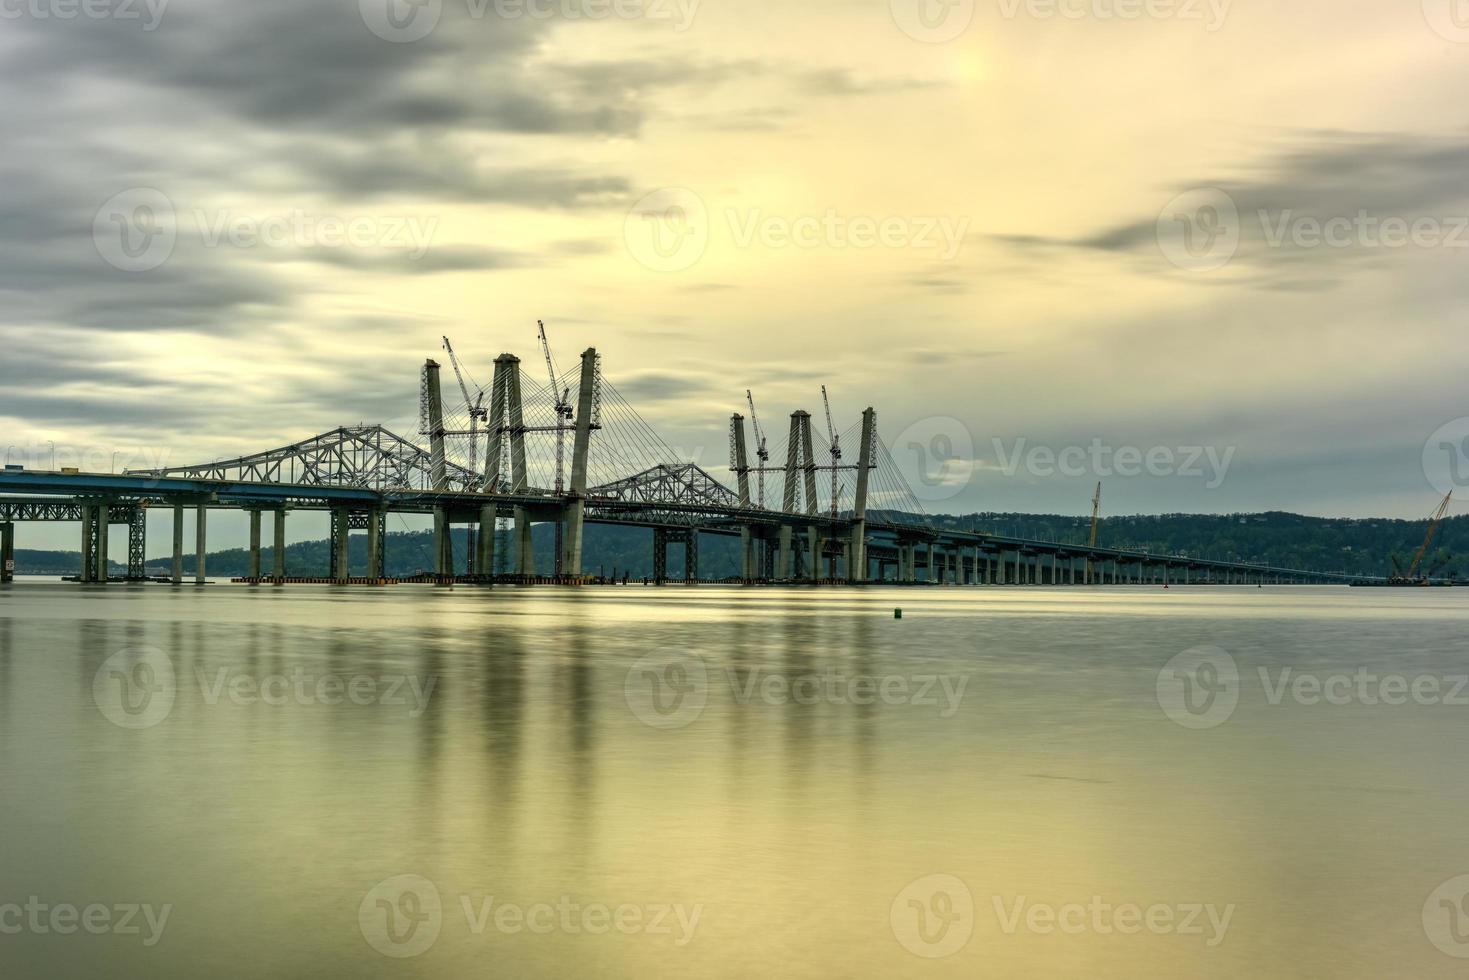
[(1044, 237)]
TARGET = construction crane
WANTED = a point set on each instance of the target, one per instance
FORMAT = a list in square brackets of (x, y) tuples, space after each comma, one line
[(475, 406), (1096, 514), (564, 413), (762, 451), (836, 450), (1411, 577), (1091, 541)]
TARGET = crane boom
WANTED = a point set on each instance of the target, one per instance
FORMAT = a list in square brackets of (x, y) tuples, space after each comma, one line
[(477, 412), (836, 450), (1433, 526), (1096, 513), (762, 451)]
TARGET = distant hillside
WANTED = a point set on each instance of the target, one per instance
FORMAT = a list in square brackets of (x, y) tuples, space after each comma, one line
[(1289, 540)]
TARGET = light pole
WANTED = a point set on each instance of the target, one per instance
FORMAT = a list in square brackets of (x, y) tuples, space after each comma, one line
[(113, 467), (53, 454)]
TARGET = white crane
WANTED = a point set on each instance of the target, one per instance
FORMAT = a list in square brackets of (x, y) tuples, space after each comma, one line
[(836, 450), (475, 406), (762, 452)]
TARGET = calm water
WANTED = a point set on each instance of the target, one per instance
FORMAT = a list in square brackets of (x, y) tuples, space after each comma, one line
[(726, 783)]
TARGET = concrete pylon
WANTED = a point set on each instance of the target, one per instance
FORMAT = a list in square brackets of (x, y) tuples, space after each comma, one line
[(201, 543), (739, 461), (485, 559), (177, 575), (7, 552), (278, 572), (857, 564), (254, 569), (587, 400), (102, 573), (434, 408)]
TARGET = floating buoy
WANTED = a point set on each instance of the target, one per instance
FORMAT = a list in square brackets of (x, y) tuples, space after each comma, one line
[(897, 614)]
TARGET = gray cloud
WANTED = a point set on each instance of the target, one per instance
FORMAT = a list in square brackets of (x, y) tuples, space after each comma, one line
[(1317, 176)]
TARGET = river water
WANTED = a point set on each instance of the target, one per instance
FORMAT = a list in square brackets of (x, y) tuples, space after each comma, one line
[(714, 782)]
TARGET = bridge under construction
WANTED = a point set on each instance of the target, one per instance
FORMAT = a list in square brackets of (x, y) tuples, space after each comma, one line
[(570, 451)]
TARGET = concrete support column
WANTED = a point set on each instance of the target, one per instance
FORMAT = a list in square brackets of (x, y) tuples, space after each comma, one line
[(443, 547), (280, 545), (88, 517), (485, 560), (7, 552), (375, 546), (342, 546), (932, 574), (784, 564), (525, 554), (254, 573), (103, 520), (201, 542), (178, 545), (747, 552)]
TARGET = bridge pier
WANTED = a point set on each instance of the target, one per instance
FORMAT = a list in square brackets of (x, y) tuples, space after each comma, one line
[(279, 555), (341, 543), (376, 525), (485, 559), (254, 572), (525, 555), (176, 572), (201, 542), (102, 573), (7, 552)]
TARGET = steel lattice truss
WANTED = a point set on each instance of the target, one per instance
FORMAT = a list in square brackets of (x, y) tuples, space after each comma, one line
[(368, 457), (686, 488)]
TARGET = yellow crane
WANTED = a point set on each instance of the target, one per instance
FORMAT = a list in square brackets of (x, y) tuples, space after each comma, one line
[(1092, 541), (1433, 526)]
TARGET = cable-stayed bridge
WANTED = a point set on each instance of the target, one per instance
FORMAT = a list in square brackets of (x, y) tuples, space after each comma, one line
[(820, 507)]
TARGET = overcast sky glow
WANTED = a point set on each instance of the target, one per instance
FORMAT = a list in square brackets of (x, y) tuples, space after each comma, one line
[(1042, 232)]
